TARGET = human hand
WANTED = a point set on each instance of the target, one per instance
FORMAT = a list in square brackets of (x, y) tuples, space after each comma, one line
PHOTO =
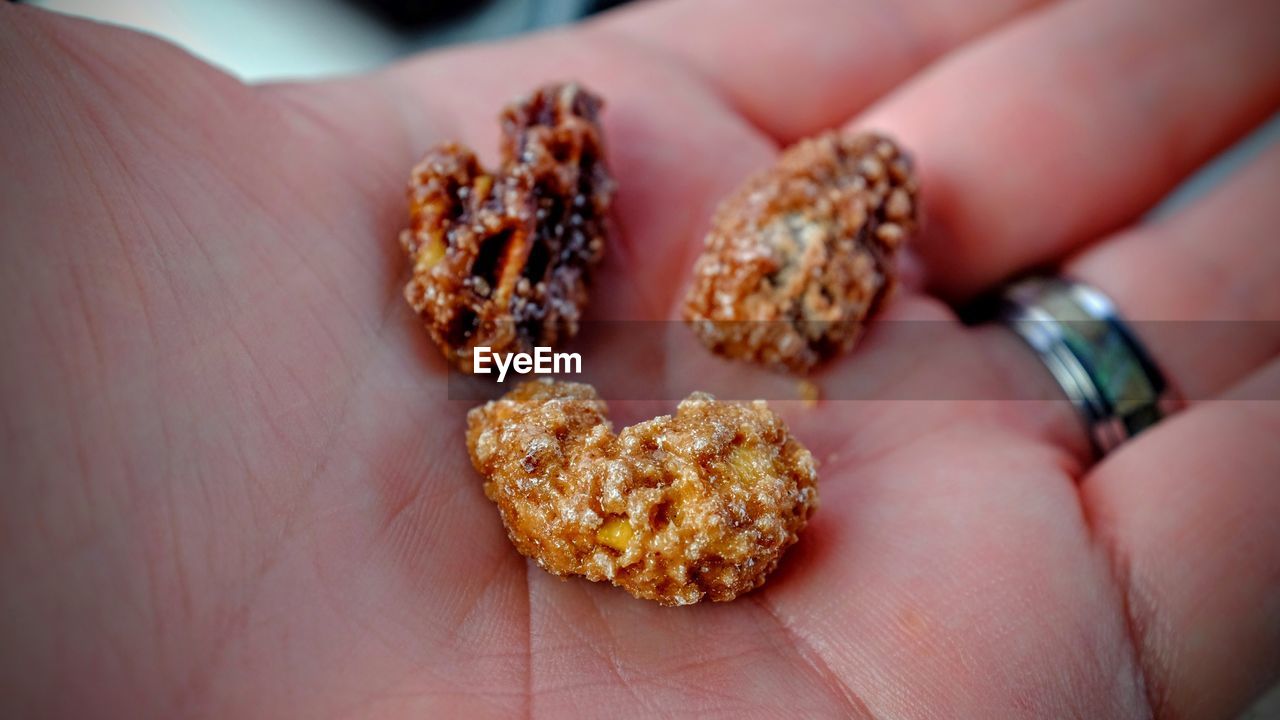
[(235, 487)]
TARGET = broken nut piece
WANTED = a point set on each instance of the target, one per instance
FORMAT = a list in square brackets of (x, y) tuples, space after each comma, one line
[(503, 258), (699, 504), (802, 255)]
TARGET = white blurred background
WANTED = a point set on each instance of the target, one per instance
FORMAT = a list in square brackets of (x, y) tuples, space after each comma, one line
[(274, 39)]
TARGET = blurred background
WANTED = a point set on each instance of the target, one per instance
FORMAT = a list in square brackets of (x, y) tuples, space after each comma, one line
[(274, 39)]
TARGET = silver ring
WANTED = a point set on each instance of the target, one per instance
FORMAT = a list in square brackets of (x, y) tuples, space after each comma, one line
[(1105, 372)]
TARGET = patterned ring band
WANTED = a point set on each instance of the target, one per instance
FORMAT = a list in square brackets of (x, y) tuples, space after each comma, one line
[(1105, 372)]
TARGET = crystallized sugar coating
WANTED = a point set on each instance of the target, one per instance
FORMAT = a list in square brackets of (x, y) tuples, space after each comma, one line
[(700, 504), (801, 256), (502, 259)]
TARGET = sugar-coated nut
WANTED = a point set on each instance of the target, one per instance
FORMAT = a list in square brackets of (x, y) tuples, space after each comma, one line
[(802, 254), (503, 258), (699, 504)]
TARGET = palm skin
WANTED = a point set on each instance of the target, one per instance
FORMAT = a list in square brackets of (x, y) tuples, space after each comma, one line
[(238, 487)]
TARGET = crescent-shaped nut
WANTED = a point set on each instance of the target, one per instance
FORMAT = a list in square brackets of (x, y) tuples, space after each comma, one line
[(699, 504)]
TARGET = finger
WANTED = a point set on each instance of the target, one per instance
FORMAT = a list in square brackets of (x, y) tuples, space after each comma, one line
[(1198, 286), (1188, 512), (1070, 122), (799, 67)]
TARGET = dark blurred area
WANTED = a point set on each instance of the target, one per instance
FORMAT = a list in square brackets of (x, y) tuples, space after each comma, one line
[(416, 13), (413, 14)]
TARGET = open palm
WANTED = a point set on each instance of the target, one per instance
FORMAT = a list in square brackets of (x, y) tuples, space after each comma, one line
[(234, 485)]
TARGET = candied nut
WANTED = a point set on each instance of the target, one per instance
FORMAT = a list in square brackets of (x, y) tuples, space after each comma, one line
[(801, 256), (699, 504), (503, 259)]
